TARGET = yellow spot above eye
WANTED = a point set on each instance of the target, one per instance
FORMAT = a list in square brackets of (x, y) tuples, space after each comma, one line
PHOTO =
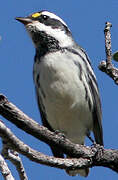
[(35, 15)]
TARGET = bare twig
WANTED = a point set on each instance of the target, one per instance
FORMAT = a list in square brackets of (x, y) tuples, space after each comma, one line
[(5, 170), (84, 156), (13, 156), (17, 145), (107, 66), (95, 156), (108, 44)]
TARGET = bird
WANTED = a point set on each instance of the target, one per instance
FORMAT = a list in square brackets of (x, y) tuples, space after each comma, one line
[(66, 87)]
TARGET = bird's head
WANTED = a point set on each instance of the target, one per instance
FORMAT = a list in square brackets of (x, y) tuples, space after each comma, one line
[(47, 30)]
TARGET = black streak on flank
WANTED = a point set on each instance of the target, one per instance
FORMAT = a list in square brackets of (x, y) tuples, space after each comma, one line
[(80, 68), (86, 91), (39, 86), (87, 97)]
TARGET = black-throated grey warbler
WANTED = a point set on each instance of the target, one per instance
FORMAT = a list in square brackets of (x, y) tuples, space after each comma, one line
[(66, 87)]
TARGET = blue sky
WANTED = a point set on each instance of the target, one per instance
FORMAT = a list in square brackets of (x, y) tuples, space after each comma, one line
[(86, 19)]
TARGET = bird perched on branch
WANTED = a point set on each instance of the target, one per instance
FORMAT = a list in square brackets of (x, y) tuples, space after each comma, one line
[(66, 87)]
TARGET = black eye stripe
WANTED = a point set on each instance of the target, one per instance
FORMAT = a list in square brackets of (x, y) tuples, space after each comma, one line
[(53, 23)]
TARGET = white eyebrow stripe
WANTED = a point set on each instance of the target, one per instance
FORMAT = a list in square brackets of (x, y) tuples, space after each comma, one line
[(51, 15)]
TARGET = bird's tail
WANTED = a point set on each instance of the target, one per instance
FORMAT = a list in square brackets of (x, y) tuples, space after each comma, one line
[(81, 172)]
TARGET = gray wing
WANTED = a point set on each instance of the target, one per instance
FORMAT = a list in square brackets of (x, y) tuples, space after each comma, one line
[(93, 87), (96, 111), (97, 114), (56, 151)]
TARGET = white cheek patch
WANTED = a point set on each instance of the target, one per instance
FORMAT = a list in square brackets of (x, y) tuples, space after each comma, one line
[(53, 16), (58, 34)]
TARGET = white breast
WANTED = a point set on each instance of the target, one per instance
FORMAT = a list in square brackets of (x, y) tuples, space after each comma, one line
[(66, 107)]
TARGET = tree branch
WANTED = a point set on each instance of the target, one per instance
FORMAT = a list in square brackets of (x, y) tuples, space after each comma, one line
[(5, 170), (107, 66), (17, 145), (13, 156), (82, 156)]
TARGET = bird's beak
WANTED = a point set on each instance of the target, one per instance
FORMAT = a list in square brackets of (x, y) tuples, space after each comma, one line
[(24, 20)]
